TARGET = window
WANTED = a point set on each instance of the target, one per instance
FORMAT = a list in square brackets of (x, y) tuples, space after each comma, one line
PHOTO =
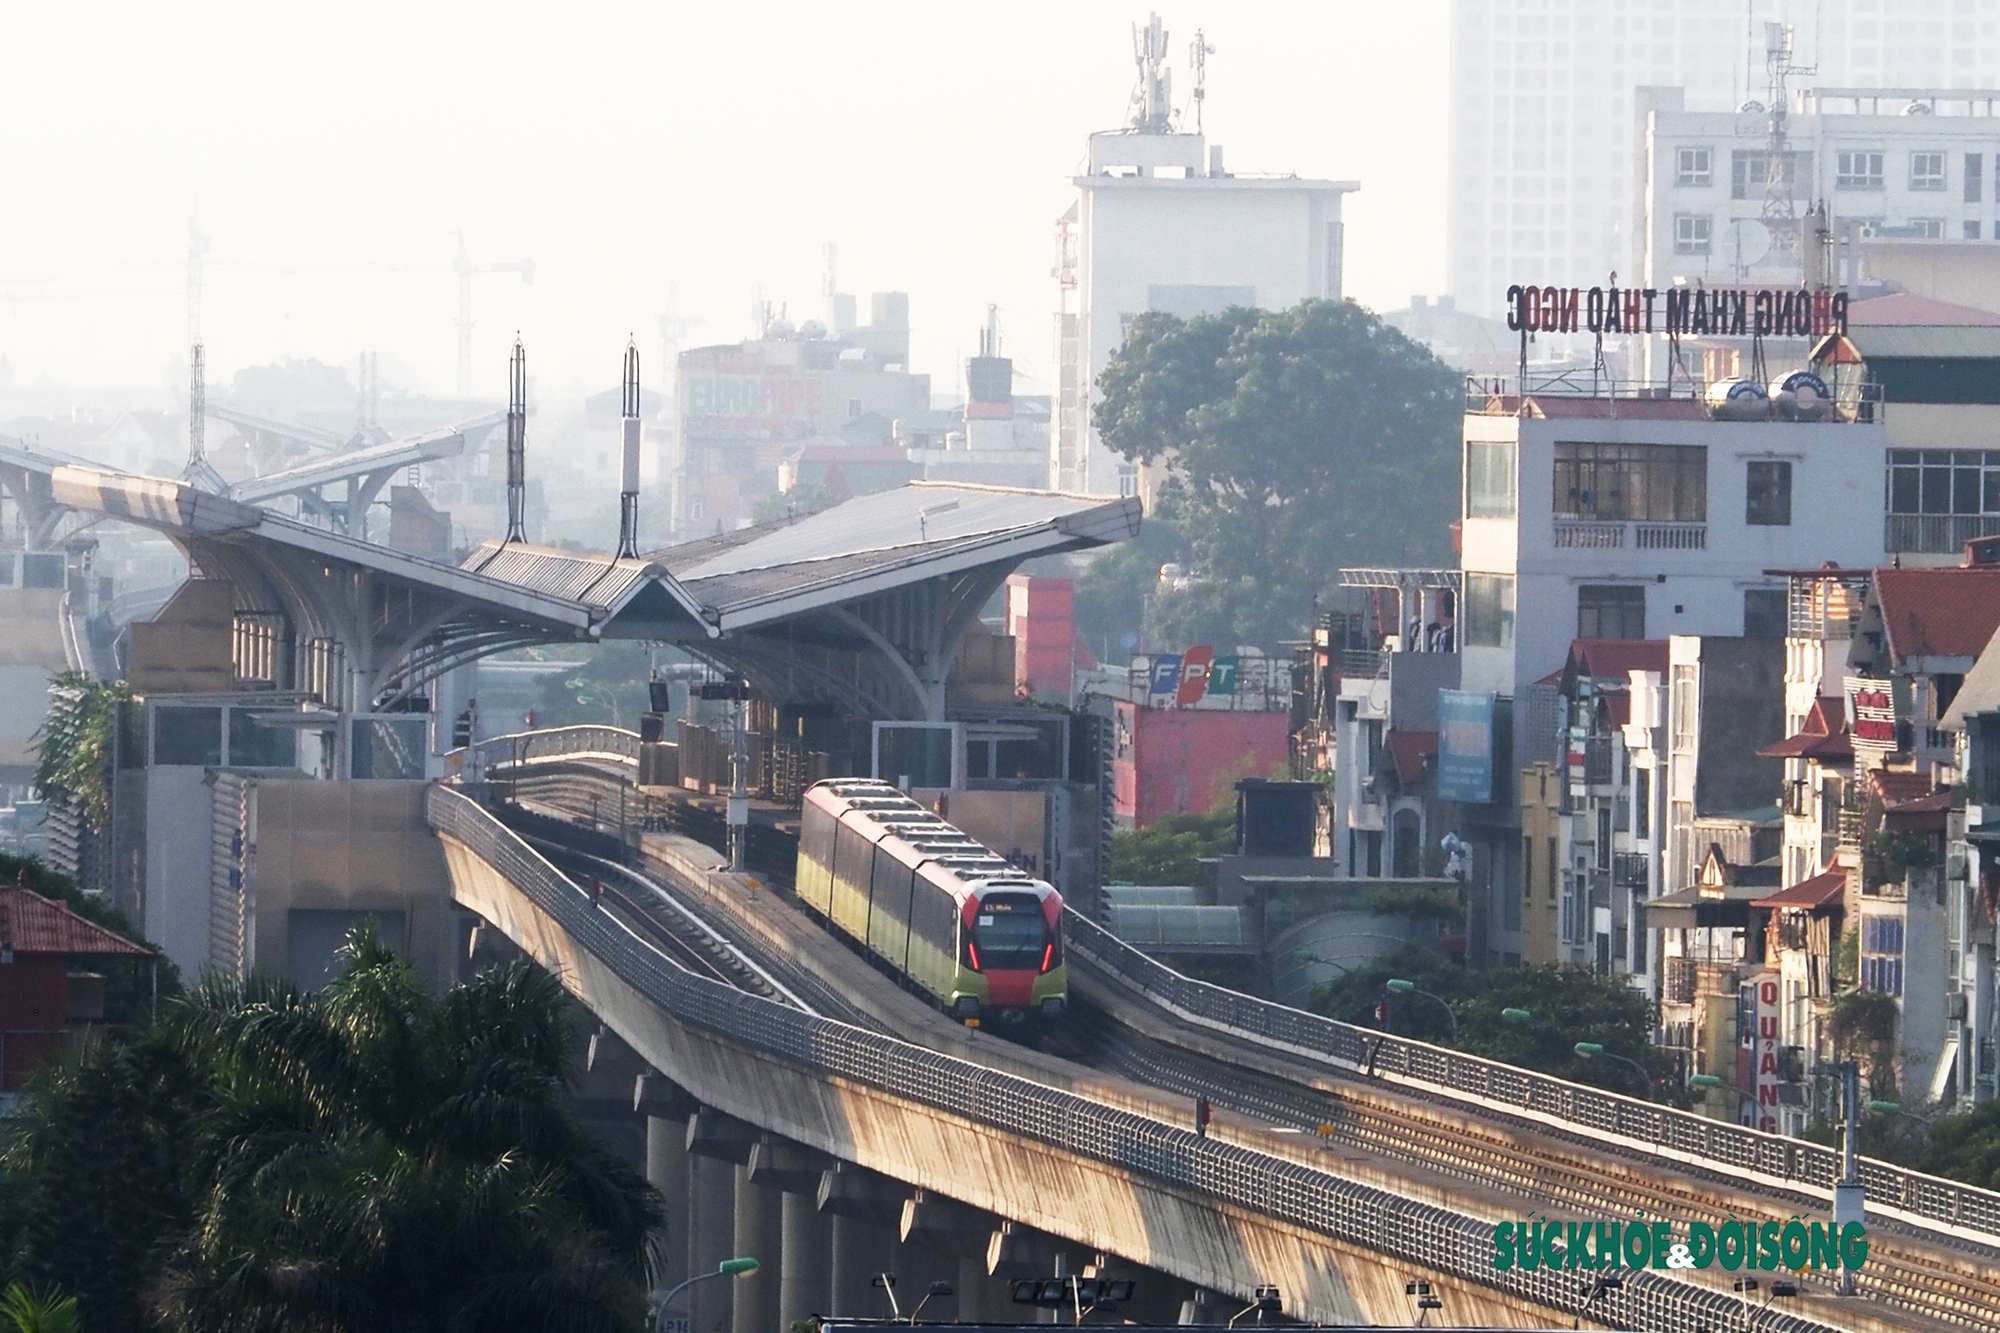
[(1694, 168), (1489, 611), (187, 736), (1692, 232), (1660, 483), (1927, 229), (253, 745), (1882, 954), (1611, 611), (1768, 495), (1642, 803), (1975, 180), (1972, 231), (1489, 480), (1763, 613), (1858, 170), (1944, 481), (1926, 171), (1750, 171), (1552, 866)]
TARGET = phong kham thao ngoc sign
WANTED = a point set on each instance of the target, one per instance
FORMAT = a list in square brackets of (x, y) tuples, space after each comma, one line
[(1716, 312)]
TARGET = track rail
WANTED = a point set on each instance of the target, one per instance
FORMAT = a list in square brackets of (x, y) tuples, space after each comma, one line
[(1552, 1164)]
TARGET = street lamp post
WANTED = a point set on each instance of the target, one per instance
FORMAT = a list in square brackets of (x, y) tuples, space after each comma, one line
[(741, 1267), (1403, 987), (1591, 1050)]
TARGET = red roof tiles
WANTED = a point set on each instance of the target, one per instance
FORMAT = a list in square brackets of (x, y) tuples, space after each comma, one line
[(1819, 891), (32, 924), (1938, 612), (1601, 658)]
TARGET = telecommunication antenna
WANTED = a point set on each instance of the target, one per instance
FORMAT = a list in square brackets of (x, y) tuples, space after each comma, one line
[(517, 445), (1152, 100), (628, 495), (1198, 55), (199, 472), (1779, 206)]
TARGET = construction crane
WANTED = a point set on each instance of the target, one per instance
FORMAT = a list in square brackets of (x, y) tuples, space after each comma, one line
[(465, 268)]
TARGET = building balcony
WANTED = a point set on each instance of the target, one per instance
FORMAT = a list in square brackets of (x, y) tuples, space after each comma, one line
[(1935, 534), (1599, 535), (1849, 831), (1628, 869)]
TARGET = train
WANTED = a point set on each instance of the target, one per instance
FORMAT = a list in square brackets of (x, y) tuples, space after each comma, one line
[(931, 905)]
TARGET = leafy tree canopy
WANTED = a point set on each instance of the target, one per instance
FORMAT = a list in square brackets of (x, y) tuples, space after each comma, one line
[(1169, 850), (607, 686), (368, 1157), (1566, 1005), (1302, 440)]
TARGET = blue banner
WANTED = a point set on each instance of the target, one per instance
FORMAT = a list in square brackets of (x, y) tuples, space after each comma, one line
[(1167, 673), (1465, 746)]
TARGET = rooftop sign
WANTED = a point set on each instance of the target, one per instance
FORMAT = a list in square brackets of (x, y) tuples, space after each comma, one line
[(1716, 312)]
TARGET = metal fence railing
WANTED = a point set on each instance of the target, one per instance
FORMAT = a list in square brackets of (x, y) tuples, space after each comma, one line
[(1438, 1240), (588, 740), (1922, 1200)]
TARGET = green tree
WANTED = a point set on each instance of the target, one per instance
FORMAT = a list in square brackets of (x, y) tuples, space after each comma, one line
[(1301, 440), (30, 1310), (607, 686), (1170, 849), (73, 746), (1566, 1005), (369, 1157), (1113, 590)]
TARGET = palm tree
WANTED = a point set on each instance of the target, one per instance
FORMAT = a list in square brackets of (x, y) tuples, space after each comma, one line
[(372, 1157)]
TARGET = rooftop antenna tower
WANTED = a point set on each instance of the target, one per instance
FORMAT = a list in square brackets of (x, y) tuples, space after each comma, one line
[(199, 472), (517, 445), (1198, 55), (628, 495), (1152, 100), (1779, 208), (989, 337)]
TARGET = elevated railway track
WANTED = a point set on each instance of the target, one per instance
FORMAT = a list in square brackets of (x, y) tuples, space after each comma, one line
[(1920, 1274)]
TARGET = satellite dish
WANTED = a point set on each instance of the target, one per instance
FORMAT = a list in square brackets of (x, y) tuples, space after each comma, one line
[(1747, 243)]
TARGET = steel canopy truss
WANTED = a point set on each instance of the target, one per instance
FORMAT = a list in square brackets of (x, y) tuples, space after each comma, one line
[(873, 631)]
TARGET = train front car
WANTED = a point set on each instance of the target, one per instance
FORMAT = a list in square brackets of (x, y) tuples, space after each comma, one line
[(944, 914), (1011, 965)]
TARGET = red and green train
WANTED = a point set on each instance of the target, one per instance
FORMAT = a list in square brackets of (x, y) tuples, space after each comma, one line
[(933, 906)]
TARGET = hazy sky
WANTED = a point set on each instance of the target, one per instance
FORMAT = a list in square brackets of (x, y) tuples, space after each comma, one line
[(333, 151)]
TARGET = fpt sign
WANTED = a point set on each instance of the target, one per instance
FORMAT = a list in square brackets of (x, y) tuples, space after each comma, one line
[(1716, 312)]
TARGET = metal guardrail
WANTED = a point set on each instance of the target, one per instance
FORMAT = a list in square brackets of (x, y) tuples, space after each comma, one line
[(1437, 1239), (520, 747), (1922, 1200)]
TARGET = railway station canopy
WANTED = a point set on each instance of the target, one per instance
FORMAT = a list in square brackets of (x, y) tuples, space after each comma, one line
[(861, 606)]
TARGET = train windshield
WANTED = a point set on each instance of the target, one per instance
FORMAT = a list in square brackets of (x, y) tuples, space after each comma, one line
[(1010, 932)]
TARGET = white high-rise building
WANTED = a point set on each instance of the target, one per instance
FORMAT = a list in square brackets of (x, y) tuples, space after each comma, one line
[(1544, 144), (1158, 224)]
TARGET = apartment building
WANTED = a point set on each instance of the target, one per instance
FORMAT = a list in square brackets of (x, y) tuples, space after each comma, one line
[(1543, 178)]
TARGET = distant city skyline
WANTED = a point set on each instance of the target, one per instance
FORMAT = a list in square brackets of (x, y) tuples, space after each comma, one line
[(332, 156)]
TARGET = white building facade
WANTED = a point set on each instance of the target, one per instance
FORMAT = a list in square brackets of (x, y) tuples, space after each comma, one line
[(1158, 224), (1542, 183), (1654, 523), (1923, 165)]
